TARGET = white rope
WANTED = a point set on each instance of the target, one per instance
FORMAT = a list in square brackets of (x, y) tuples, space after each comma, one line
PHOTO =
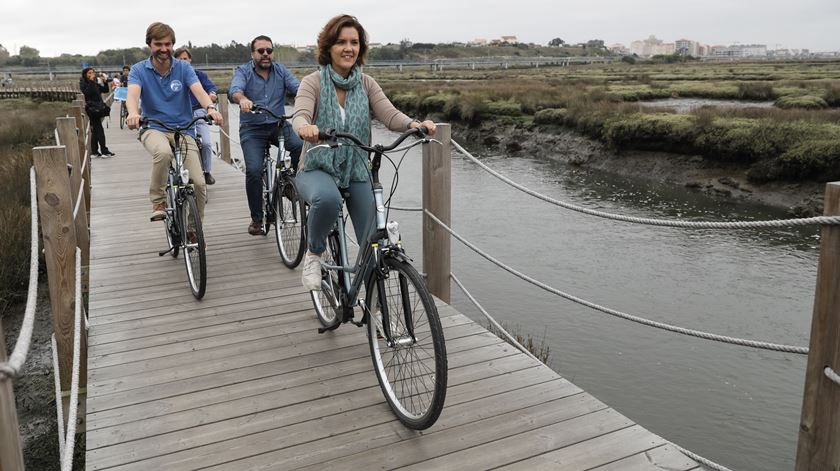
[(399, 208), (832, 375), (70, 439), (701, 460), (498, 326), (228, 136), (613, 312), (79, 199), (18, 357), (59, 406), (827, 220), (57, 139), (85, 160)]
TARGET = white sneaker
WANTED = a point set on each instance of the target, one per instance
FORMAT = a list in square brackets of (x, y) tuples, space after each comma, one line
[(311, 277)]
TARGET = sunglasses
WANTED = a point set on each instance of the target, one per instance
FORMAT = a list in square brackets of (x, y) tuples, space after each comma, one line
[(265, 50)]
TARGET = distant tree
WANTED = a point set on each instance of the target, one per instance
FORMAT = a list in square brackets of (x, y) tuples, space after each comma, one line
[(595, 44), (628, 59), (556, 42), (4, 55), (29, 56)]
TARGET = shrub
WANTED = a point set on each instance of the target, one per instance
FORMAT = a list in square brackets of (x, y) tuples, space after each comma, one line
[(832, 95), (755, 91), (503, 107), (807, 102), (550, 116)]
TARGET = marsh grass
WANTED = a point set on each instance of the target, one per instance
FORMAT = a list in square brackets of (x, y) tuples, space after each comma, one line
[(537, 346), (23, 125)]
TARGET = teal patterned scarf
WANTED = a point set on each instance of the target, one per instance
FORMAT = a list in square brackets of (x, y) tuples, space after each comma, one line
[(346, 163)]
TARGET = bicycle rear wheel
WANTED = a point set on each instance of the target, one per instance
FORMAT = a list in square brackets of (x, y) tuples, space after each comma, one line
[(290, 223), (412, 372), (327, 301), (173, 235), (194, 248)]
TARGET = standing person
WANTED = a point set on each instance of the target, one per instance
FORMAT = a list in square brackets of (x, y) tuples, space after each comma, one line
[(263, 82), (164, 84), (93, 87), (124, 76), (202, 128), (341, 97)]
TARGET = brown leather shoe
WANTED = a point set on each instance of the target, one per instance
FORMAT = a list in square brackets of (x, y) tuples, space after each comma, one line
[(255, 228), (158, 212)]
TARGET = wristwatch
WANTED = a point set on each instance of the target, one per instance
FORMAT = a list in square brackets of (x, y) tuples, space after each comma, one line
[(211, 106)]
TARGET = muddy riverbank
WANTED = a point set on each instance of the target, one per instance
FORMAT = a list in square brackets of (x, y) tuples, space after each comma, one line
[(694, 172)]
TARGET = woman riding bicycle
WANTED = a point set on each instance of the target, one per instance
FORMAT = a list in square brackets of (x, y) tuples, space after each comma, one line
[(339, 96)]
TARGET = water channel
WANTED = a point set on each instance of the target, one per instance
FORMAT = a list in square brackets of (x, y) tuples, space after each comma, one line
[(734, 405)]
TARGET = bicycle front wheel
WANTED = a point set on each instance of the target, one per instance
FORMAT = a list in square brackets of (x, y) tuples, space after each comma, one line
[(123, 115), (290, 224), (267, 207), (412, 370), (173, 235), (194, 247), (327, 300)]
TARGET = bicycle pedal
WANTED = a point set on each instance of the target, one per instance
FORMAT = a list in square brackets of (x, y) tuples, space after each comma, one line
[(321, 330)]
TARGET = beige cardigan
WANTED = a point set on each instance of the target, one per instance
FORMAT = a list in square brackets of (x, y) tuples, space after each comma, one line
[(306, 106)]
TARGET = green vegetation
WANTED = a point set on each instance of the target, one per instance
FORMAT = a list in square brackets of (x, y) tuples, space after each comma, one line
[(538, 347), (796, 139), (23, 125)]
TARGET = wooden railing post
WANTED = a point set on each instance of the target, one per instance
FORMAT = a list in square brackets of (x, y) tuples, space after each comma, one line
[(819, 426), (67, 134), (55, 205), (224, 142), (78, 113), (11, 454), (437, 192)]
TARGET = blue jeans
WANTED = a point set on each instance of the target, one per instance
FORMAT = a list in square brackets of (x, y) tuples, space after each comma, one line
[(318, 188), (254, 139), (203, 129)]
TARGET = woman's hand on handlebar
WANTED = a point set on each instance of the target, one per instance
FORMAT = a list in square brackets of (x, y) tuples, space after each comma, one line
[(428, 124), (133, 121), (309, 133)]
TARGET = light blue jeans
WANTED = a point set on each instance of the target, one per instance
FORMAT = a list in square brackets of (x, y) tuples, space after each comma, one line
[(318, 189), (203, 130)]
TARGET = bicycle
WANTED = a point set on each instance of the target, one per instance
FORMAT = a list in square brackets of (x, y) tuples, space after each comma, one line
[(403, 326), (281, 204), (183, 227), (123, 114)]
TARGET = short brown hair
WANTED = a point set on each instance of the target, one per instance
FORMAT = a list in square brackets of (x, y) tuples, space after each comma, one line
[(158, 30), (261, 37), (180, 51), (329, 35)]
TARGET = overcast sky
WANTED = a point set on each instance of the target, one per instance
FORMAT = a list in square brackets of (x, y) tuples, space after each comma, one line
[(58, 26)]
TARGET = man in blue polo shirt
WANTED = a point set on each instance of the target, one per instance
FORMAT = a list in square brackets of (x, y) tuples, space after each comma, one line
[(266, 83), (165, 84)]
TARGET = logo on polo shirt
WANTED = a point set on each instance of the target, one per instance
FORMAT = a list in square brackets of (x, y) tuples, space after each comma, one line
[(176, 85)]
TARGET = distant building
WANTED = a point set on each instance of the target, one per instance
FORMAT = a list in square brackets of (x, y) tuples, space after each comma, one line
[(651, 47), (509, 40), (619, 48), (739, 51), (478, 42), (687, 47)]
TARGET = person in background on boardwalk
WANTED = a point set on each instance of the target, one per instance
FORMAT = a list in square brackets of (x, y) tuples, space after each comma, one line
[(164, 84), (266, 83), (339, 96), (124, 76), (93, 87), (202, 128)]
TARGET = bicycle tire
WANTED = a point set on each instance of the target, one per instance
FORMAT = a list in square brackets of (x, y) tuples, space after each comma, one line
[(412, 375), (173, 236), (267, 207), (195, 258), (289, 223), (122, 116), (327, 301)]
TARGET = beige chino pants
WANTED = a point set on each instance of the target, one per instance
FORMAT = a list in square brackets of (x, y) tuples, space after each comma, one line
[(159, 144)]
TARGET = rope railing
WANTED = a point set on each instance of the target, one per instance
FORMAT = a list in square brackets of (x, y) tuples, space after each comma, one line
[(11, 368), (622, 315), (823, 220), (832, 375), (705, 462), (510, 338), (79, 198)]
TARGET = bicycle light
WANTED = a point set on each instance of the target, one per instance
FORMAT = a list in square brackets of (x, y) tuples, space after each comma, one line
[(185, 176), (393, 228)]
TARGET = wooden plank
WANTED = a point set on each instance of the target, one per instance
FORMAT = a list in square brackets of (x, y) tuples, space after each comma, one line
[(657, 459), (437, 193)]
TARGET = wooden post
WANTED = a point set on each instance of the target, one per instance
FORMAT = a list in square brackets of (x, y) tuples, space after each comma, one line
[(67, 133), (55, 204), (224, 142), (819, 426), (78, 113), (437, 192), (11, 455)]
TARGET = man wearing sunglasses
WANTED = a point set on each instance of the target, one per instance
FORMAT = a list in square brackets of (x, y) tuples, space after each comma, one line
[(266, 83)]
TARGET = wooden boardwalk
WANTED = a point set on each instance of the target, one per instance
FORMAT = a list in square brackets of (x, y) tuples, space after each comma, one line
[(242, 380)]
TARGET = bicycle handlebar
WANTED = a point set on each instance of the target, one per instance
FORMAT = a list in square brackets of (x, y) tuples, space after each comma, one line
[(257, 109), (331, 137), (146, 121)]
